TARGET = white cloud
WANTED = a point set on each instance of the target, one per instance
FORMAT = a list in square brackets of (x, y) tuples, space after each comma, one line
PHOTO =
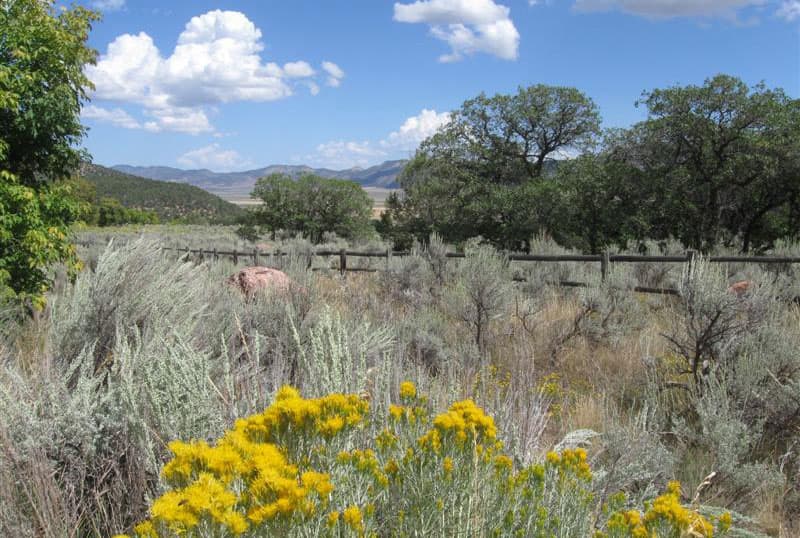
[(663, 9), (116, 117), (790, 10), (468, 26), (108, 5), (213, 157), (216, 60), (343, 154), (177, 119), (298, 70), (335, 74), (416, 129), (346, 154)]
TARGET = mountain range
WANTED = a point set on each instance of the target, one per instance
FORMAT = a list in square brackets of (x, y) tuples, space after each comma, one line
[(238, 185)]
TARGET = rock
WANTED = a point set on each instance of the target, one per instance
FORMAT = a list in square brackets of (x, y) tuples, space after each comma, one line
[(740, 288), (251, 280)]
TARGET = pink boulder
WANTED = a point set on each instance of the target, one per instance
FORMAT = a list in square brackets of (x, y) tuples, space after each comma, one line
[(251, 280), (740, 288)]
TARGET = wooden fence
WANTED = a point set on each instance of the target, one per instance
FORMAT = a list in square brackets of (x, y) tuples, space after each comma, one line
[(605, 260)]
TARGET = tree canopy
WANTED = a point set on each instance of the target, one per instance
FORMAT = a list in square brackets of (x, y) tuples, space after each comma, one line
[(311, 205), (43, 53), (714, 163)]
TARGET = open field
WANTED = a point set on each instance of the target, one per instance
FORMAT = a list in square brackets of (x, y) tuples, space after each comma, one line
[(377, 194)]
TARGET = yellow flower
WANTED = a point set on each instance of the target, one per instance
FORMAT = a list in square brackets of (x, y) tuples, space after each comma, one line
[(447, 465), (408, 391), (352, 516), (333, 519), (146, 529), (396, 411), (725, 522), (319, 482), (331, 426)]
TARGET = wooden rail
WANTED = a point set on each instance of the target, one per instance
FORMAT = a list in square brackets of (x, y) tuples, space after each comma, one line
[(605, 259)]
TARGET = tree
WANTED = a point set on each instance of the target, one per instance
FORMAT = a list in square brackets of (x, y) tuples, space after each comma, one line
[(720, 160), (477, 174), (43, 53), (312, 205), (599, 203)]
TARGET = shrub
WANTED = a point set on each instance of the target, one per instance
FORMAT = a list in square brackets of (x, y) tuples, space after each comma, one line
[(481, 290), (307, 467)]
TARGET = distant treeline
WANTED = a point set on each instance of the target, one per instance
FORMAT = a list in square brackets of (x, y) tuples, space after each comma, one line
[(712, 164)]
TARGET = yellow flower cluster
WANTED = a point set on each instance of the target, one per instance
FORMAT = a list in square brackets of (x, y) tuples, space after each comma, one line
[(664, 514), (327, 415), (572, 462), (246, 479), (464, 420), (408, 391)]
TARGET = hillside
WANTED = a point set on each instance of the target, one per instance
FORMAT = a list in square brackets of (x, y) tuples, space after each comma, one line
[(237, 185), (168, 199)]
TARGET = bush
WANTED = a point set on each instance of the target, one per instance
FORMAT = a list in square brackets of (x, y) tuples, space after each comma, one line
[(315, 467)]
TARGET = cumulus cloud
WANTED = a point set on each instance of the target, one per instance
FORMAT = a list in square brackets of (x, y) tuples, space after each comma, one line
[(213, 157), (116, 117), (217, 60), (180, 120), (345, 154), (108, 5), (416, 129), (335, 74), (298, 70), (664, 9), (790, 10), (467, 26)]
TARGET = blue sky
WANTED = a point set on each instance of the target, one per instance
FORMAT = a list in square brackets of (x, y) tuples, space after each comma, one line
[(242, 84)]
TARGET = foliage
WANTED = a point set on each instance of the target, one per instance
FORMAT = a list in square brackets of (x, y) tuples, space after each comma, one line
[(301, 468), (717, 163), (482, 292), (720, 160), (485, 173), (664, 517), (42, 87), (311, 206), (168, 200), (34, 225)]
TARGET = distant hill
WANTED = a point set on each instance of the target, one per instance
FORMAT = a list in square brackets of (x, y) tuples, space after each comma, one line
[(168, 199), (232, 185)]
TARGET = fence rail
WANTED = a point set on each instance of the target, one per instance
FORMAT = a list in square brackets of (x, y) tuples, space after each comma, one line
[(605, 260)]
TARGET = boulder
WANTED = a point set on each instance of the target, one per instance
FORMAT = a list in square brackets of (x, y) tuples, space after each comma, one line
[(251, 280), (740, 288)]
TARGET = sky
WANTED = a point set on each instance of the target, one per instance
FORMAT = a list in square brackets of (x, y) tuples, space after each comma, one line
[(241, 84)]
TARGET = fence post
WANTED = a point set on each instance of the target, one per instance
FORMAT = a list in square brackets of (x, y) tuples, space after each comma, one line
[(343, 261), (278, 259), (389, 259), (690, 259), (255, 256), (604, 263), (216, 256), (235, 257)]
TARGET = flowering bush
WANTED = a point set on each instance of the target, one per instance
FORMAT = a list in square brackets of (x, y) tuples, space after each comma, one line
[(664, 517), (326, 467)]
